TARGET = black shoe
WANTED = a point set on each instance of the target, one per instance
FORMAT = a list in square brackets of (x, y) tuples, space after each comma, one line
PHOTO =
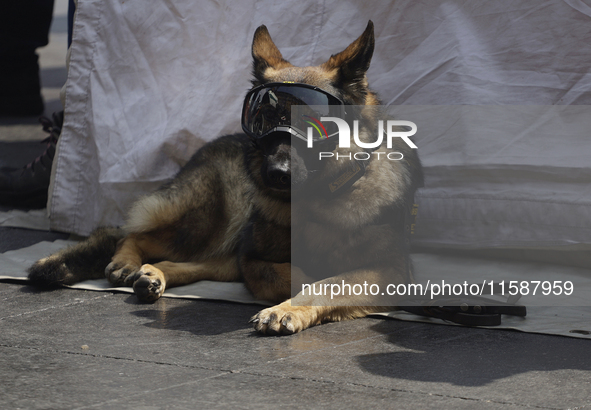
[(27, 187)]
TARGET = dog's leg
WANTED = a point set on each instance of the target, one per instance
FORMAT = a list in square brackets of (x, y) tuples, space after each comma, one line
[(268, 281), (150, 281), (286, 319), (272, 281), (308, 309), (131, 253), (85, 260)]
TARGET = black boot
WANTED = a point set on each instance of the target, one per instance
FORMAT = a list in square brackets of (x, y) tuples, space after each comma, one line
[(27, 187)]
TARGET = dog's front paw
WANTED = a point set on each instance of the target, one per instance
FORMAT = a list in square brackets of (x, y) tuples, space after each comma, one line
[(283, 319), (148, 283), (118, 272)]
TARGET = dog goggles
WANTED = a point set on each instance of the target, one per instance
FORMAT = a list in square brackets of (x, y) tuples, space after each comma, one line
[(267, 109)]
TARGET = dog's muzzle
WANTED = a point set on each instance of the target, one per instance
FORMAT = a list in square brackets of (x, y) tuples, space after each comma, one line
[(278, 172)]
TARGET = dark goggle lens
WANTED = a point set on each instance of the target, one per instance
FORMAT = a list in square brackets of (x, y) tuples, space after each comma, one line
[(268, 107)]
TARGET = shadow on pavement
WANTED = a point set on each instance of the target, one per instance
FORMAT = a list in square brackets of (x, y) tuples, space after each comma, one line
[(475, 357)]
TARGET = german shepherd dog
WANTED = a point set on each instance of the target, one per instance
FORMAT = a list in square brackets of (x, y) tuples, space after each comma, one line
[(228, 214)]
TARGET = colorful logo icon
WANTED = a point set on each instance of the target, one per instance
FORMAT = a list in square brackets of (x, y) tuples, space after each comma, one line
[(318, 126)]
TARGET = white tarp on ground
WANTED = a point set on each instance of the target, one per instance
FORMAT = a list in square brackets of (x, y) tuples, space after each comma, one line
[(148, 84)]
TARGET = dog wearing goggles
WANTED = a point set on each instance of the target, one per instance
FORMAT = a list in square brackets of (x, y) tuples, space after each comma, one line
[(239, 210)]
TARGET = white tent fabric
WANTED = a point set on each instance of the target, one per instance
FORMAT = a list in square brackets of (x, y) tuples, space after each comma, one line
[(149, 83)]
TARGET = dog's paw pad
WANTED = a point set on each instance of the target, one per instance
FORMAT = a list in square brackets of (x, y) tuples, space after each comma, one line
[(149, 284)]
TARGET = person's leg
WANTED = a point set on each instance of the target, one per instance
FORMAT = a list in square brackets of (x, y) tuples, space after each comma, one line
[(71, 10), (24, 26)]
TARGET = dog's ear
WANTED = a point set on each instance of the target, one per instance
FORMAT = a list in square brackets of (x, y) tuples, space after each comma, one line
[(353, 62), (265, 54)]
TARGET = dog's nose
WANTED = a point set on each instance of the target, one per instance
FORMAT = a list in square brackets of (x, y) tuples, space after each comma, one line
[(279, 176)]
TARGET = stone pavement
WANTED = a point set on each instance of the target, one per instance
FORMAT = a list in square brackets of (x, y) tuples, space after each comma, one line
[(72, 349)]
